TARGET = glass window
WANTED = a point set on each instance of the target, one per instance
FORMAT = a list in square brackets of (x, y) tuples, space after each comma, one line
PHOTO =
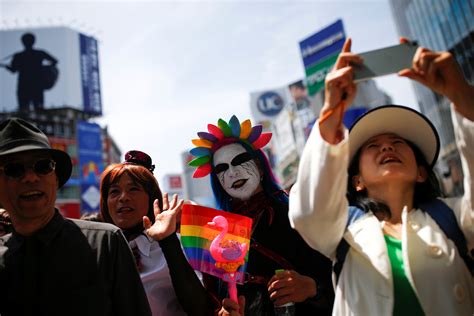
[(459, 18)]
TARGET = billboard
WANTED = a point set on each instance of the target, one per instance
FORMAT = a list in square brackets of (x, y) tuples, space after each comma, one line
[(319, 53), (89, 143), (173, 184), (265, 105), (68, 145), (47, 68)]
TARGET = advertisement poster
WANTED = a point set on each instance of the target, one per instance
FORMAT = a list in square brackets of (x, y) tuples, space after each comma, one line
[(265, 105), (89, 143), (319, 53), (47, 68)]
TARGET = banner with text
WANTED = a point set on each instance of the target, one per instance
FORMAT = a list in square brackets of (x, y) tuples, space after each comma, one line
[(47, 68), (319, 53)]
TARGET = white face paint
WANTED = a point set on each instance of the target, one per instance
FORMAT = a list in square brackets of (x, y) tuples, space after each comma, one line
[(237, 172)]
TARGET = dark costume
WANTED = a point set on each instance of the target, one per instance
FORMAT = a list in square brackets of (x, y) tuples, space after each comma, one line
[(70, 267), (275, 245)]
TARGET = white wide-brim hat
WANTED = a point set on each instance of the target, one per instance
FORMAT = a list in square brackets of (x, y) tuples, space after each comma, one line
[(400, 120)]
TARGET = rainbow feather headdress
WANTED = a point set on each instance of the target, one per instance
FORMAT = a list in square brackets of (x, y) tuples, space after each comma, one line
[(224, 133)]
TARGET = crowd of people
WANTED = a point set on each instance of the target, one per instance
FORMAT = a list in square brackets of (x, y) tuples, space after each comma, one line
[(363, 231)]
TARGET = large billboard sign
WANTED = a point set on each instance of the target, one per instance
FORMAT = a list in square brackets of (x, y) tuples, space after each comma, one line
[(89, 143), (319, 53), (47, 68)]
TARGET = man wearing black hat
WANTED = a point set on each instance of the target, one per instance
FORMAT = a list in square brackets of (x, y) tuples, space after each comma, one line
[(50, 265)]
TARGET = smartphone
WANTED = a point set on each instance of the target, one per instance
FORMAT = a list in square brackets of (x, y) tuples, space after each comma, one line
[(385, 61)]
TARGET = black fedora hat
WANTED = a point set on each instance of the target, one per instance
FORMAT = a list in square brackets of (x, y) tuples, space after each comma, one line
[(17, 135)]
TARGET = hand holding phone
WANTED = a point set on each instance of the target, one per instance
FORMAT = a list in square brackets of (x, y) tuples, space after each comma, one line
[(385, 61)]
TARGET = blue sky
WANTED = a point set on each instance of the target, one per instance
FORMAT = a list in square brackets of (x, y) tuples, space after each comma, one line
[(168, 68)]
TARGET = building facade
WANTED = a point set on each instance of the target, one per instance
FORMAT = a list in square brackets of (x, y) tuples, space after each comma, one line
[(60, 125), (442, 25)]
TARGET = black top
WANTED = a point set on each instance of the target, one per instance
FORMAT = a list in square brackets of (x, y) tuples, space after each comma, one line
[(191, 294), (273, 232), (70, 267)]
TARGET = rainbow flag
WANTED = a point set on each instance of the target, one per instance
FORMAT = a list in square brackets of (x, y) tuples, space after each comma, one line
[(196, 237)]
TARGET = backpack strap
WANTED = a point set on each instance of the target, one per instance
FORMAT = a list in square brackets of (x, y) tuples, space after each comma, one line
[(444, 216), (341, 251)]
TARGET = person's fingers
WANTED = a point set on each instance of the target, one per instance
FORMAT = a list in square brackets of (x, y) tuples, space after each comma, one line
[(146, 222), (346, 59), (280, 280), (347, 45), (242, 305), (422, 59), (277, 285), (431, 73), (416, 60), (426, 60), (281, 293), (229, 305), (411, 74), (406, 73), (166, 204), (156, 208), (179, 207), (404, 40), (340, 78), (282, 296), (174, 200)]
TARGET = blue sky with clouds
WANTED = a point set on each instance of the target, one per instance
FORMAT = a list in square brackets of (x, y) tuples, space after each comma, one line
[(168, 68)]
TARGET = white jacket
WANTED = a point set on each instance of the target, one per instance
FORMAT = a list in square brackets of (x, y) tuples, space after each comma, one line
[(438, 275)]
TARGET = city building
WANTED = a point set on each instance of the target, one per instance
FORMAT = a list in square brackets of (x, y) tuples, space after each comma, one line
[(61, 126), (442, 25), (50, 77), (197, 190)]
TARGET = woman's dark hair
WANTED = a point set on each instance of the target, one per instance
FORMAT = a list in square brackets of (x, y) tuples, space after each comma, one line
[(139, 175), (424, 191), (269, 183)]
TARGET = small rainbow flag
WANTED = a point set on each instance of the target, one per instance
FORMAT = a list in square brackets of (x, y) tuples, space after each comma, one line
[(197, 235)]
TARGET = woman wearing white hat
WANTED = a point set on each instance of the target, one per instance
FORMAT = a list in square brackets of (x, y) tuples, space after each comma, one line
[(398, 258)]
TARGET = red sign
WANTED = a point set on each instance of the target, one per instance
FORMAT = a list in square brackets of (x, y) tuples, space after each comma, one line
[(69, 209), (175, 182)]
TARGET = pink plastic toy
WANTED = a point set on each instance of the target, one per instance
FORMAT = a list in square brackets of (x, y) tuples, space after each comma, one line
[(229, 254)]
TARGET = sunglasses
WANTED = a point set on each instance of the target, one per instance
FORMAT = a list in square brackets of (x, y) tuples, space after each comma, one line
[(17, 170)]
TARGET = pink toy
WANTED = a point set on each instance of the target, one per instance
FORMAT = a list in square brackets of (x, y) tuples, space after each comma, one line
[(229, 254)]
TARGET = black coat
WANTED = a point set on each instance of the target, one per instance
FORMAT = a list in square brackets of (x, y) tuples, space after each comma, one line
[(273, 233)]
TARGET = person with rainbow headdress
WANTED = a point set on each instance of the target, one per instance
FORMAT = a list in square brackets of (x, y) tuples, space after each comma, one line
[(243, 183)]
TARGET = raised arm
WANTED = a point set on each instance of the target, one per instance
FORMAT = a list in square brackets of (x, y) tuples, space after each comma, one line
[(318, 207), (190, 292), (440, 72)]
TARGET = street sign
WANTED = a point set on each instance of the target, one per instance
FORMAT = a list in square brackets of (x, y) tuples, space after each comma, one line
[(319, 52), (316, 74)]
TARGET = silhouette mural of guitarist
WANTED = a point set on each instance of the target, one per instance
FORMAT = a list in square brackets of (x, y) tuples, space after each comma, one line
[(37, 72)]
